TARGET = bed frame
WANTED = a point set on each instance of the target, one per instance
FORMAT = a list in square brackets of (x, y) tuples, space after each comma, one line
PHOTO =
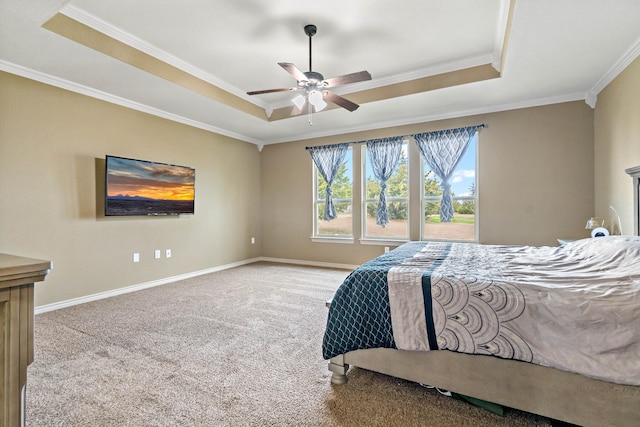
[(532, 388)]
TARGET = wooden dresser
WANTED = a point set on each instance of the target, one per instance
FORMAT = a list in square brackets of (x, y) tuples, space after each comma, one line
[(17, 278)]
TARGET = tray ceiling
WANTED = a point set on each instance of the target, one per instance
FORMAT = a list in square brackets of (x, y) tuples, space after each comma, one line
[(194, 61)]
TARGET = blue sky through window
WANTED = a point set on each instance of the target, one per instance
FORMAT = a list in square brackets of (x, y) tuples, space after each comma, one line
[(465, 173)]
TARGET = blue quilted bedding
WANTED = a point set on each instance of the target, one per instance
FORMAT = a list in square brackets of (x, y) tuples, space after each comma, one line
[(359, 315), (551, 306)]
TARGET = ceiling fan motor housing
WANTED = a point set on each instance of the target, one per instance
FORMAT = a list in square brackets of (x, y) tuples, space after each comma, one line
[(314, 77)]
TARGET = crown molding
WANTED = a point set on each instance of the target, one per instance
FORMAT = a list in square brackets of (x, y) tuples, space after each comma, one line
[(623, 62), (437, 116), (93, 93), (591, 98), (104, 96)]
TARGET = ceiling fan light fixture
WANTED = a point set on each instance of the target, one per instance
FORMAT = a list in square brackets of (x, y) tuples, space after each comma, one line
[(315, 99), (298, 101)]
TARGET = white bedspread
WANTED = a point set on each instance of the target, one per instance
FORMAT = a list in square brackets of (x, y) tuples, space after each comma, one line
[(575, 307)]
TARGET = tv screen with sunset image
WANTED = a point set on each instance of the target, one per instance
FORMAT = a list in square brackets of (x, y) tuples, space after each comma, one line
[(140, 187)]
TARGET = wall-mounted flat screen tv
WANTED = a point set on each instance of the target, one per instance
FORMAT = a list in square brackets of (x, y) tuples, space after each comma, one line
[(141, 187)]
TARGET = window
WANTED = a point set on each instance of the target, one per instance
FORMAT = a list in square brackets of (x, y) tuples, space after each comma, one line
[(397, 195), (445, 188), (464, 196), (342, 188)]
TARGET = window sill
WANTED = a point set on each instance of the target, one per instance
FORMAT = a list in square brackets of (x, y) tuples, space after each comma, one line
[(449, 240), (382, 242), (342, 240)]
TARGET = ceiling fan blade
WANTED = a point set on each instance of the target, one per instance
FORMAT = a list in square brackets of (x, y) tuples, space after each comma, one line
[(260, 92), (360, 76), (293, 70), (338, 100), (295, 111)]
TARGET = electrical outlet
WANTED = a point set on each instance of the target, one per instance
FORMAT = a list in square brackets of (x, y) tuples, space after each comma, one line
[(386, 249), (156, 254), (136, 257), (167, 253), (253, 240)]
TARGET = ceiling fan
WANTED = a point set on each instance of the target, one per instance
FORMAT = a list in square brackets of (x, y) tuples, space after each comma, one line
[(315, 85)]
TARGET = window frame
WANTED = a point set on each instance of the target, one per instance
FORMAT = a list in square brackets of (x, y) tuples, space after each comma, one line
[(382, 240), (342, 238), (475, 198)]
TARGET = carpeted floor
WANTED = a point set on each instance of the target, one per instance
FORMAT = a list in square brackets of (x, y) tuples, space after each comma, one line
[(240, 347)]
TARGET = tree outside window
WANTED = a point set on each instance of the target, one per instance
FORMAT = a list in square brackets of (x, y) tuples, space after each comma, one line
[(342, 188), (397, 200), (463, 193)]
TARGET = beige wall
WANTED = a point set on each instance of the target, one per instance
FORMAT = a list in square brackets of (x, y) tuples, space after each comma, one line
[(617, 146), (535, 183), (52, 148)]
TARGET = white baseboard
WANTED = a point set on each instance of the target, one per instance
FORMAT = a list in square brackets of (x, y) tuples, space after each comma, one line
[(133, 288), (101, 295), (310, 263)]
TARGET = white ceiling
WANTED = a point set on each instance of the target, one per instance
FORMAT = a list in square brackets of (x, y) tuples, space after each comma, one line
[(555, 51)]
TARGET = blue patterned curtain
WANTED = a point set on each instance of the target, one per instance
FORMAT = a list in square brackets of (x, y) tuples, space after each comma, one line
[(442, 151), (384, 154), (328, 159)]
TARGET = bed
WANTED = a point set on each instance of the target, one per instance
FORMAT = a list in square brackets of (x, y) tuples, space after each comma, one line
[(567, 344)]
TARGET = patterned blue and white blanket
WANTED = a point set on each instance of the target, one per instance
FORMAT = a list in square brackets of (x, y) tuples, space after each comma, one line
[(574, 307)]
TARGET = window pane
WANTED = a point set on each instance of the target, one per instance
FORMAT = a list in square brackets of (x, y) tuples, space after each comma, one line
[(461, 227), (431, 184), (342, 183), (340, 226), (342, 195), (463, 191), (463, 181), (397, 185), (398, 225), (397, 200)]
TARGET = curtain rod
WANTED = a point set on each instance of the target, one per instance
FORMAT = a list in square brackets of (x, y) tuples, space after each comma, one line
[(482, 125), (329, 145)]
